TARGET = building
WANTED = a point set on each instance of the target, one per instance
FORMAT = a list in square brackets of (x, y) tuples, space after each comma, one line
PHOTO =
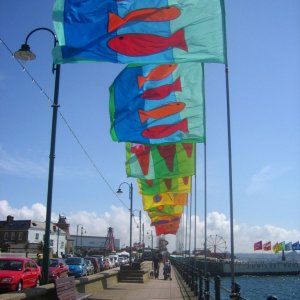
[(26, 236), (90, 243)]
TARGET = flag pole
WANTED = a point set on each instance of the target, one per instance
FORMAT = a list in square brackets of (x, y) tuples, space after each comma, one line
[(233, 285), (205, 185), (195, 205)]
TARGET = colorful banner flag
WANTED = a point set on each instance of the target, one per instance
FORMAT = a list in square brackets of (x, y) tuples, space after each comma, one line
[(150, 201), (296, 246), (258, 246), (170, 228), (166, 185), (165, 210), (288, 246), (161, 161), (165, 220), (281, 246), (267, 246), (139, 31), (276, 248), (164, 104)]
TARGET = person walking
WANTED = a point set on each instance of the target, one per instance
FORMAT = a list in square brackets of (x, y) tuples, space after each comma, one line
[(155, 262)]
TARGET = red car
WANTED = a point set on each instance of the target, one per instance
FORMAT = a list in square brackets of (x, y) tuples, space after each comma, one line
[(17, 273), (57, 268)]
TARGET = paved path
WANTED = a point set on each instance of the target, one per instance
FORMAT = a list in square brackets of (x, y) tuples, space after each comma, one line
[(153, 289)]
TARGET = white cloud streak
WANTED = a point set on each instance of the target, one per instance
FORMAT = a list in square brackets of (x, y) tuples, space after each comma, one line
[(20, 166)]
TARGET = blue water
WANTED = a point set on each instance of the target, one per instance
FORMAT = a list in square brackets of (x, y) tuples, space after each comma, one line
[(260, 287)]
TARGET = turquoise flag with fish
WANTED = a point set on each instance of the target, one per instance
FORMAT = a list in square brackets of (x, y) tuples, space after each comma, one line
[(164, 104), (139, 31)]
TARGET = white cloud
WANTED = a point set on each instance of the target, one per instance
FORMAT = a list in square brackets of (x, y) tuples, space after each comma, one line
[(260, 180), (118, 218), (21, 166)]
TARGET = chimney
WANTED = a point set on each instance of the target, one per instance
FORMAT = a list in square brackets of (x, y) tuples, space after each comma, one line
[(10, 219)]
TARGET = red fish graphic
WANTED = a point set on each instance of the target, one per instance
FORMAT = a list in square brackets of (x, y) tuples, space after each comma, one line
[(162, 111), (167, 152), (162, 131), (142, 153), (145, 14), (140, 44), (162, 91), (158, 73)]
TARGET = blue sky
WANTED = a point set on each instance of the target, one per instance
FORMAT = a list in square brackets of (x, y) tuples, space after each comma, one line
[(263, 40)]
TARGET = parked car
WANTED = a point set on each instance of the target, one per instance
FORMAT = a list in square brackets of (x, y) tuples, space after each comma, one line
[(115, 260), (95, 262), (100, 259), (57, 268), (77, 266), (19, 273), (89, 266), (122, 261)]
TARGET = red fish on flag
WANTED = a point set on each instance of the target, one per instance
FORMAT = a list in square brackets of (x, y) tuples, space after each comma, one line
[(145, 15), (162, 91), (162, 131), (258, 246), (158, 73), (162, 111), (143, 44)]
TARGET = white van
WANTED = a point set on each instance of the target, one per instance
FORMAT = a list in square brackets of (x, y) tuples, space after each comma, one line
[(115, 260)]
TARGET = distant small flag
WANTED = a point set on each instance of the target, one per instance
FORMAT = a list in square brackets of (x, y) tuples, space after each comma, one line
[(267, 246), (296, 246), (281, 246), (276, 248), (258, 246), (288, 246)]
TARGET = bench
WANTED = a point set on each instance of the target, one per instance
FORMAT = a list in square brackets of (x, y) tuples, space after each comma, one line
[(66, 289)]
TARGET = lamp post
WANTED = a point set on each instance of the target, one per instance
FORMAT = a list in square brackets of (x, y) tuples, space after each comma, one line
[(57, 242), (81, 236), (130, 210), (151, 237), (24, 53), (76, 247), (139, 226), (143, 241)]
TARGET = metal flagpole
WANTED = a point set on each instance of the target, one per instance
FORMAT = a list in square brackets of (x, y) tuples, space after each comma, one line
[(233, 285), (195, 205)]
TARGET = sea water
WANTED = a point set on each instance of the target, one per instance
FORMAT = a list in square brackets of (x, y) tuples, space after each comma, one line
[(260, 287)]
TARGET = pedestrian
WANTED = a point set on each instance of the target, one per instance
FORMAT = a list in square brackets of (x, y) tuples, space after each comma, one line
[(155, 263)]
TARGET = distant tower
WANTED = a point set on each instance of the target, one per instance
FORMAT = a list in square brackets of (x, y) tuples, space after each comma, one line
[(62, 224), (110, 240)]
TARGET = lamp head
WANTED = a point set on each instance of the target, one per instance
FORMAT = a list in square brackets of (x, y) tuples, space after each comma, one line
[(24, 53), (119, 191)]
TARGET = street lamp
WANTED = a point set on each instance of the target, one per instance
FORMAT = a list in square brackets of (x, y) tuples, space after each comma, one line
[(82, 229), (24, 53), (76, 247), (119, 191), (139, 226), (151, 237)]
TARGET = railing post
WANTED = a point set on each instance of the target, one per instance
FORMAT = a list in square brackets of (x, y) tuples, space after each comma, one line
[(200, 280), (207, 291), (217, 287), (235, 291), (191, 277), (196, 280)]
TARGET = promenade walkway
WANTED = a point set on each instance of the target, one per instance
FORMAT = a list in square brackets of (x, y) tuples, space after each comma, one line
[(153, 289)]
